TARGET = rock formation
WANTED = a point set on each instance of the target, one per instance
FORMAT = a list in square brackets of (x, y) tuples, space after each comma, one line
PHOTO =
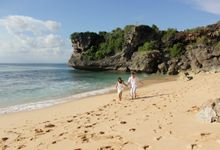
[(210, 112), (168, 51)]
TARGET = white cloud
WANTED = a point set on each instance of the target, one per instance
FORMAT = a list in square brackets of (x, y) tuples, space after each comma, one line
[(29, 37), (210, 6)]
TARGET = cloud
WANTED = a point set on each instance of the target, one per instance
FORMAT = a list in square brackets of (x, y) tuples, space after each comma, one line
[(29, 37), (210, 6)]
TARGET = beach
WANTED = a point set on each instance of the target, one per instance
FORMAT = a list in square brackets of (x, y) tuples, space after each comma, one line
[(162, 117)]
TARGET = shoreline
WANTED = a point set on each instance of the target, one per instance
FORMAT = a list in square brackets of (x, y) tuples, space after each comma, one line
[(162, 117), (59, 101)]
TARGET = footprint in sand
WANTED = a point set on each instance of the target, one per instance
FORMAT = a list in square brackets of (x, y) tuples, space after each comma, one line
[(84, 138), (132, 129), (38, 131), (105, 147), (49, 125), (204, 134), (146, 147), (4, 139), (5, 147), (171, 132), (123, 122), (61, 134), (21, 146), (101, 132), (69, 121), (49, 130), (193, 146), (158, 138)]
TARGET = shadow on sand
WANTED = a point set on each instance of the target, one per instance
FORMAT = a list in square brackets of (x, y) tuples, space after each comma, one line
[(145, 97)]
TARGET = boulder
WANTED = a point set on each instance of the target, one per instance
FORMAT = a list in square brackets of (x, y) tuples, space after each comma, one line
[(185, 76), (210, 111), (172, 70), (162, 68)]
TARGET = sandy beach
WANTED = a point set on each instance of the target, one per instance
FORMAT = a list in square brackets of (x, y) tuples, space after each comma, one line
[(163, 117)]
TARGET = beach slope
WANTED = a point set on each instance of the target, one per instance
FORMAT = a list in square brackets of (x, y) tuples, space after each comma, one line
[(162, 117)]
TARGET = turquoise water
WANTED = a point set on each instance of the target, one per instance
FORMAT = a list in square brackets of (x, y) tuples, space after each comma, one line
[(31, 86)]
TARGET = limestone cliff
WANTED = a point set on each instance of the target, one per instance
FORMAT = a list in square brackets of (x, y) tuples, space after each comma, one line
[(147, 49)]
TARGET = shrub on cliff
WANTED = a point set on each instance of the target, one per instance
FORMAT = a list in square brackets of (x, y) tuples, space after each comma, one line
[(217, 46), (112, 44), (176, 50), (168, 34), (202, 40), (89, 54), (155, 28), (128, 29), (148, 46), (84, 36)]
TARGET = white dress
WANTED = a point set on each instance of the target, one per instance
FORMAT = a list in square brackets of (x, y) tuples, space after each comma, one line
[(120, 87)]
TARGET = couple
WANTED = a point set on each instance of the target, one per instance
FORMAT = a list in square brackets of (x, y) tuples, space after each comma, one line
[(132, 82)]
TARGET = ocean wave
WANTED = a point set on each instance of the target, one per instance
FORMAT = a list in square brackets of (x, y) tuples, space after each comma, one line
[(48, 103)]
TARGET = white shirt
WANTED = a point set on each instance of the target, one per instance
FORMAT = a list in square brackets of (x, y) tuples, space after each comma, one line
[(133, 81)]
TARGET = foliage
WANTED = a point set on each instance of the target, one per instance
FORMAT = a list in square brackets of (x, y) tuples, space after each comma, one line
[(90, 53), (128, 28), (176, 50), (194, 45), (155, 28), (217, 46), (83, 35), (112, 44), (202, 40), (147, 46), (169, 33)]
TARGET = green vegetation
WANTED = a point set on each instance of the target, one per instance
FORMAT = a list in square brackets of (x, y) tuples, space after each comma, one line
[(217, 46), (96, 46), (90, 54), (113, 44), (78, 35), (176, 50), (155, 28), (128, 28), (168, 34), (202, 40), (148, 46)]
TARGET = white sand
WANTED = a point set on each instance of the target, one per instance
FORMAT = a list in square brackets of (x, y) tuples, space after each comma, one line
[(162, 118)]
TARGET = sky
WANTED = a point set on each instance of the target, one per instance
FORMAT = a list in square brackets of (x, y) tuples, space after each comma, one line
[(37, 31)]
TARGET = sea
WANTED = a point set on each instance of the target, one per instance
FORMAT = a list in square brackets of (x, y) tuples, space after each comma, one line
[(25, 87)]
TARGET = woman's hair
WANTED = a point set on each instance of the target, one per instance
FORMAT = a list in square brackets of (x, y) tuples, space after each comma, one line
[(120, 80), (133, 73)]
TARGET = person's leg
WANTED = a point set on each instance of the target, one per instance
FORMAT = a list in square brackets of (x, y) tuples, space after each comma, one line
[(135, 92), (120, 96), (132, 93)]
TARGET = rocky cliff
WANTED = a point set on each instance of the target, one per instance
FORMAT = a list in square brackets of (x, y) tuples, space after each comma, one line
[(147, 49)]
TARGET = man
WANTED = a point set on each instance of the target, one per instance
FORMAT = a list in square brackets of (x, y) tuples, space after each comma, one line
[(133, 81)]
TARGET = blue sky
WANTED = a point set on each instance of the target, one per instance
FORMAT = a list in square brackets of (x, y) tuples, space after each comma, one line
[(38, 30)]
